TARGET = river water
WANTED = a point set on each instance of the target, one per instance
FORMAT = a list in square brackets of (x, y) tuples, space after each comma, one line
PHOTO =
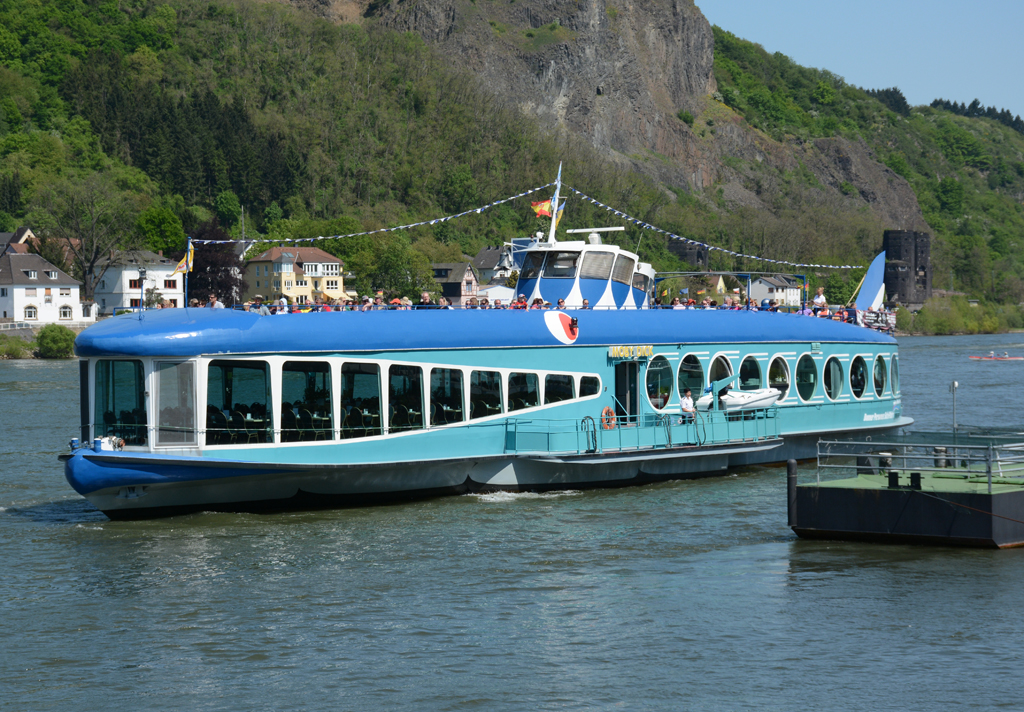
[(683, 595)]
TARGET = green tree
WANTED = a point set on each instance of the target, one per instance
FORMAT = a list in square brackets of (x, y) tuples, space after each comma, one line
[(56, 341), (160, 229), (950, 194), (228, 208), (824, 94)]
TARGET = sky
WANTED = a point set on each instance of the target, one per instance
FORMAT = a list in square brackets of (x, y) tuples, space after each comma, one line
[(953, 49)]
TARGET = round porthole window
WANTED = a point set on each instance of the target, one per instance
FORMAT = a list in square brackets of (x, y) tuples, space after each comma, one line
[(832, 378), (778, 376), (659, 382), (750, 374), (720, 368), (691, 375), (879, 376), (806, 377), (858, 376)]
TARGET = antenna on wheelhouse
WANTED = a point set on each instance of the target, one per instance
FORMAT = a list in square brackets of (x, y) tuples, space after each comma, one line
[(554, 206)]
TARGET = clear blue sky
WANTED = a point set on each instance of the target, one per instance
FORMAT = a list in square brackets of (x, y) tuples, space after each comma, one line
[(954, 49)]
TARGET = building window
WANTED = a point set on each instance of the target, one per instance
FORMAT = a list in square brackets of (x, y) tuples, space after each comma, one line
[(86, 311), (65, 312), (30, 291), (3, 291), (332, 270), (257, 284), (65, 291), (31, 314), (300, 283), (277, 284), (170, 284), (32, 274), (287, 284), (134, 302), (134, 284), (469, 286), (52, 274), (48, 298), (103, 284), (332, 284), (311, 269), (174, 303)]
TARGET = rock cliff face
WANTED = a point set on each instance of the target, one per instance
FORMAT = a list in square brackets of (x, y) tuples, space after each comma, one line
[(619, 75)]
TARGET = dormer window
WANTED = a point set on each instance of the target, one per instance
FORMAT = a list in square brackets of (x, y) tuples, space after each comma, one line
[(32, 274), (52, 274)]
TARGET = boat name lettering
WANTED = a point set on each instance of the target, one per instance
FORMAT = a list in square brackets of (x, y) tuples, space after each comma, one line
[(868, 417), (630, 351)]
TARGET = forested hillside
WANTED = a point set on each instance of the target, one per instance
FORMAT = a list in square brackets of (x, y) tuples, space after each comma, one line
[(172, 118)]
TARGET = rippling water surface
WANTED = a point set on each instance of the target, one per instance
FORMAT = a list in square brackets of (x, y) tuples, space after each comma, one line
[(684, 595)]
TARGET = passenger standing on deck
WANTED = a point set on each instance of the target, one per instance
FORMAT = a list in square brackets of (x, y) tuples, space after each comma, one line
[(686, 402), (819, 300)]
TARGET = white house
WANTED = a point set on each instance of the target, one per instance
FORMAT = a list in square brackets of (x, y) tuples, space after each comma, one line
[(493, 263), (457, 280), (784, 291), (34, 291), (121, 286)]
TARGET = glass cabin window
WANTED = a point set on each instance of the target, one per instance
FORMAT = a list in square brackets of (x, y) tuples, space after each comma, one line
[(238, 403), (558, 388), (523, 391), (175, 403), (120, 409), (484, 394), (531, 265), (806, 377), (720, 368), (858, 376), (778, 376), (659, 382), (597, 265), (405, 398), (832, 377), (306, 409), (623, 271), (750, 374), (589, 386), (360, 400), (895, 377), (691, 375), (879, 376), (640, 282), (445, 396), (562, 265)]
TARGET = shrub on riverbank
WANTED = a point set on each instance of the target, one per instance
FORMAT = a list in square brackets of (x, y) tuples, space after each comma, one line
[(15, 347), (56, 341), (955, 315)]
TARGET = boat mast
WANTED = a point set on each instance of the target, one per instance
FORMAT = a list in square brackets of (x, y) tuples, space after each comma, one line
[(554, 206)]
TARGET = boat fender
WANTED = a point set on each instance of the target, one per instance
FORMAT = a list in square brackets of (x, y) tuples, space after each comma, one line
[(607, 418)]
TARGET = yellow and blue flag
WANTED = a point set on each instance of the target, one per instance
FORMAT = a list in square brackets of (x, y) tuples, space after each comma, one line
[(186, 262)]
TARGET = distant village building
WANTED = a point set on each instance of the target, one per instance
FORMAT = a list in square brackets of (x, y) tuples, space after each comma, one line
[(457, 280), (300, 274), (122, 287), (17, 242), (493, 263), (784, 291), (36, 292), (908, 267), (695, 255)]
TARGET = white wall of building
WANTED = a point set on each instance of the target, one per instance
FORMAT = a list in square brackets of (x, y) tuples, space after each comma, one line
[(115, 290)]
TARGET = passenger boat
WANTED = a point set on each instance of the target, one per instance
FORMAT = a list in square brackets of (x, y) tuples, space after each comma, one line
[(200, 409)]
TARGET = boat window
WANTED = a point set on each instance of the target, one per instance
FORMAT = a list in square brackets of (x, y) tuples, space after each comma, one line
[(750, 374), (806, 376), (558, 387), (121, 401), (589, 386), (237, 403), (83, 402), (562, 265), (306, 412), (405, 398), (360, 400), (895, 377), (597, 265), (640, 282), (778, 376), (691, 375), (720, 368), (523, 391), (879, 376), (445, 396), (484, 394), (175, 403), (858, 376), (659, 382), (623, 271), (833, 378), (531, 265)]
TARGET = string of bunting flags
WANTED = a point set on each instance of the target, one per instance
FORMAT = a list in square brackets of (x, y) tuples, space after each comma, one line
[(389, 229), (647, 226)]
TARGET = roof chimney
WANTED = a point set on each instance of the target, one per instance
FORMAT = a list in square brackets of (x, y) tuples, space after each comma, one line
[(160, 252)]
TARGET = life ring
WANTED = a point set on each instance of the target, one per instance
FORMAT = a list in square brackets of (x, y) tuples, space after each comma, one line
[(607, 418)]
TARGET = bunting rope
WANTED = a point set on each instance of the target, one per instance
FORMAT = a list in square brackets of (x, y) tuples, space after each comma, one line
[(648, 226), (385, 229)]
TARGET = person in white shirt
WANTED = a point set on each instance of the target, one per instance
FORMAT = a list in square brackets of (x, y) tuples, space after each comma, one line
[(819, 300), (687, 404), (214, 303)]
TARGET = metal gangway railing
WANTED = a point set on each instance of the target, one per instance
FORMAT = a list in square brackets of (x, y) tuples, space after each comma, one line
[(987, 458)]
